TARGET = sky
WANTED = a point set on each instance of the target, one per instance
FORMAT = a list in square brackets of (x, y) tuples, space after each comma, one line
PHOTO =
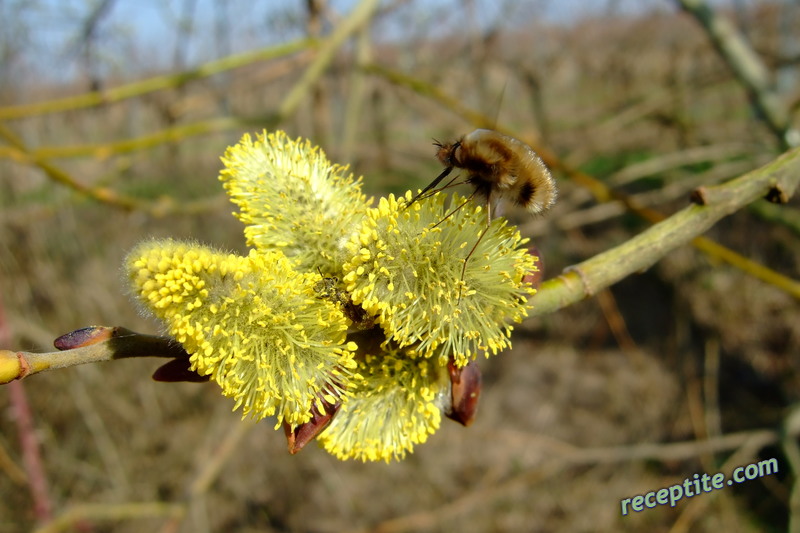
[(45, 37)]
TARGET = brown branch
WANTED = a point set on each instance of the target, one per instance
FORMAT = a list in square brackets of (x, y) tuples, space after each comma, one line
[(35, 474), (357, 95), (25, 155)]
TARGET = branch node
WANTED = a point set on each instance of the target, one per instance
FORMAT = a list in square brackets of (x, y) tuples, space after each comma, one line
[(699, 196), (777, 195), (24, 366), (588, 291)]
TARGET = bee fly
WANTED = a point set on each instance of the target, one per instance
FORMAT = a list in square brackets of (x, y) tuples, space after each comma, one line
[(498, 167)]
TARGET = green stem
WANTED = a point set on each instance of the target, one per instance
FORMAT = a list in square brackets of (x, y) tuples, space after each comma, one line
[(777, 179), (88, 345)]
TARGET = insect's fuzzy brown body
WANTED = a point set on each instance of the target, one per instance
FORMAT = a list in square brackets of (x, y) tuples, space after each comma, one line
[(501, 167), (498, 167)]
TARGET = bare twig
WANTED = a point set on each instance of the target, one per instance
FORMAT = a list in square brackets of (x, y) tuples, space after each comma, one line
[(784, 215), (101, 438), (576, 457), (616, 322), (213, 466), (150, 85), (20, 152), (35, 475), (320, 99), (747, 67), (357, 94), (88, 345), (711, 385), (679, 189), (357, 18), (105, 195), (696, 507), (673, 160), (67, 521), (600, 191), (645, 249), (31, 453), (424, 88)]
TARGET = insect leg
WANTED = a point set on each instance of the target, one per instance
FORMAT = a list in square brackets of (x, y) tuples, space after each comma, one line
[(451, 213), (480, 237)]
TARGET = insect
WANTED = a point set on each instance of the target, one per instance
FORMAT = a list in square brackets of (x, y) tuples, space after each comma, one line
[(498, 167), (327, 289)]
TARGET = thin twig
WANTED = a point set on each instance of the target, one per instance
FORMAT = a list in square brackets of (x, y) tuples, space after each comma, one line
[(360, 16), (643, 250), (101, 439), (600, 191), (35, 474), (697, 507), (150, 85), (213, 466), (88, 345), (747, 67), (31, 452), (677, 190), (786, 216), (423, 88), (616, 322), (23, 154), (711, 384), (107, 512), (105, 195), (673, 160), (576, 457), (356, 95)]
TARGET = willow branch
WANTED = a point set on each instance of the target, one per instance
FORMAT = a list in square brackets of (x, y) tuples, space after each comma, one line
[(106, 512), (598, 189), (423, 88), (88, 345), (142, 87), (360, 15), (34, 474), (357, 95), (747, 67), (21, 153), (778, 180), (163, 136)]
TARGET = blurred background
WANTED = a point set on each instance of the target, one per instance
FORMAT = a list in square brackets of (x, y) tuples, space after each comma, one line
[(114, 114)]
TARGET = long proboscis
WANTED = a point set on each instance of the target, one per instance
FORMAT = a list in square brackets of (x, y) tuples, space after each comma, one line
[(430, 186)]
